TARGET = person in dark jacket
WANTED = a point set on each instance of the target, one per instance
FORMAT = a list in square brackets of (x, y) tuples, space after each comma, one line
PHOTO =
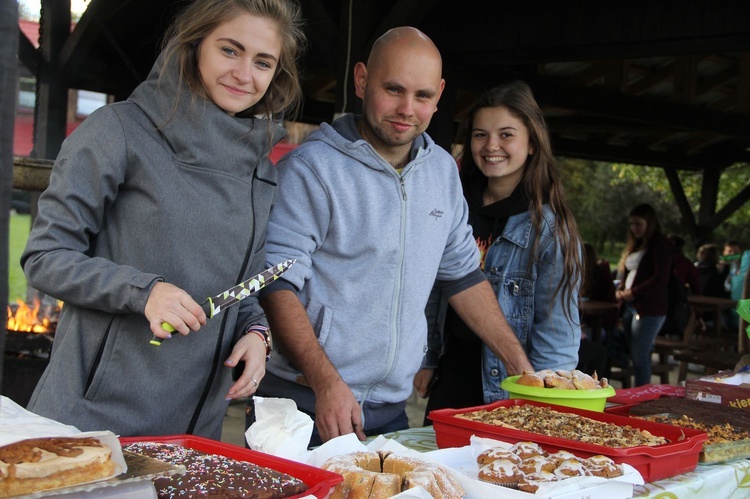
[(643, 292), (153, 203), (706, 265), (683, 267)]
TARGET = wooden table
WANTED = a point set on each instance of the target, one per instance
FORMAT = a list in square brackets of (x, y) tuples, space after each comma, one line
[(715, 306), (704, 347), (592, 312)]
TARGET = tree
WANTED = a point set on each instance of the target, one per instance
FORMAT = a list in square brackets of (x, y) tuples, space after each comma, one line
[(601, 195)]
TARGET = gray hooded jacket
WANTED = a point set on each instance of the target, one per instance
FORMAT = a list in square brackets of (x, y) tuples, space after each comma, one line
[(145, 190), (369, 244)]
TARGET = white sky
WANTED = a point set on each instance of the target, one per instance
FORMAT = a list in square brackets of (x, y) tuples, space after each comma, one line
[(76, 6)]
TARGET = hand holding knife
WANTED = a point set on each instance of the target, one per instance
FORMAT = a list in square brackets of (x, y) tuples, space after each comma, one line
[(213, 305)]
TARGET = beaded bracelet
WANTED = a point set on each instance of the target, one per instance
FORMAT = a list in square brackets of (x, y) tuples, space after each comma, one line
[(262, 332)]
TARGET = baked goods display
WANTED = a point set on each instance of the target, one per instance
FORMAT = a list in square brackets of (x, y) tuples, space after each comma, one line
[(545, 421), (702, 412), (727, 428), (38, 464), (527, 473), (562, 380), (717, 433), (384, 474), (212, 475)]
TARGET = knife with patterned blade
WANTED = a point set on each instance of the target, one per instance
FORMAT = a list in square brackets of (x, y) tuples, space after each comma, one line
[(216, 304)]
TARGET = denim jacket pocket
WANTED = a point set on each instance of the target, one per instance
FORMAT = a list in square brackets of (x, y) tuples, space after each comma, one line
[(515, 294)]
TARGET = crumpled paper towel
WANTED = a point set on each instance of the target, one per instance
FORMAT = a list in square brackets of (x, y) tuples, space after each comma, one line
[(16, 423), (279, 429)]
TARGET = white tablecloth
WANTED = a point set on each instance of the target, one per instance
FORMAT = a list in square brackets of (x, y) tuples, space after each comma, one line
[(730, 480)]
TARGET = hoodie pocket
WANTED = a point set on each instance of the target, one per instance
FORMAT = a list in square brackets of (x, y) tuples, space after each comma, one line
[(321, 317), (95, 376)]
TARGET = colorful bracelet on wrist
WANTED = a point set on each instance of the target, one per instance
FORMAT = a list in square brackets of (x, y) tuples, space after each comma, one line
[(262, 332)]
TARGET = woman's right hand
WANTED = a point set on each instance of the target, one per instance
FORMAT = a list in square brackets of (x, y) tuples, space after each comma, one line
[(170, 304)]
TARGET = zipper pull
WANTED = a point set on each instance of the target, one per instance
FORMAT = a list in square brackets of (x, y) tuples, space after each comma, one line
[(403, 188)]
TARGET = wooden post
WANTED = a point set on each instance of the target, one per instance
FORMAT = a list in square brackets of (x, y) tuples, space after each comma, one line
[(8, 82), (52, 107)]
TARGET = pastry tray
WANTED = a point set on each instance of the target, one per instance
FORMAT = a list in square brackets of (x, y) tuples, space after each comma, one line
[(319, 481), (679, 455), (711, 453)]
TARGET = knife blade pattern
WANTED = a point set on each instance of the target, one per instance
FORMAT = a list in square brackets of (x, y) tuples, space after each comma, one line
[(214, 305), (246, 288)]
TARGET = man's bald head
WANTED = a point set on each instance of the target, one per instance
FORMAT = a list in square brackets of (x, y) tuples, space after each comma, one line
[(402, 38)]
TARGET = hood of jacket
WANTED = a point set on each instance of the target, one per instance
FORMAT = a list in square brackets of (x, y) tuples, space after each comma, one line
[(164, 97)]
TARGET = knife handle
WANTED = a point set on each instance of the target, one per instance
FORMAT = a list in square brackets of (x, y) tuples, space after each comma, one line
[(166, 326)]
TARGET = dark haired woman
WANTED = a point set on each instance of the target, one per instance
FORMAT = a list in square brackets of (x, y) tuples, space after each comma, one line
[(531, 252)]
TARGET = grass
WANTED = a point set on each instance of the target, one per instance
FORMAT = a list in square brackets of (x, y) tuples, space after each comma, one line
[(18, 234)]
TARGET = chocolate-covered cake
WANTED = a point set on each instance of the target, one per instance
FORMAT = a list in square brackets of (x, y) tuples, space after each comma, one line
[(212, 475)]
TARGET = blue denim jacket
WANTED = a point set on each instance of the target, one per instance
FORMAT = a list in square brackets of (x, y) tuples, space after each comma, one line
[(551, 341)]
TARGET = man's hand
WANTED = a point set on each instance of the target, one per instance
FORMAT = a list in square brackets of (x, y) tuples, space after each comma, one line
[(337, 412), (423, 381)]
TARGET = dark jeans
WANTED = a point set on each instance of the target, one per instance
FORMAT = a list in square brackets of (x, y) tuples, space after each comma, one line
[(379, 418)]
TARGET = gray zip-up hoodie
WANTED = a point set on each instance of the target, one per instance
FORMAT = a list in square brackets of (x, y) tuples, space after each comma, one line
[(147, 190), (369, 245)]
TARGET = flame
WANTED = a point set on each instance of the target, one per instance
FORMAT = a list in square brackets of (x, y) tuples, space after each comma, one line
[(483, 247), (27, 318)]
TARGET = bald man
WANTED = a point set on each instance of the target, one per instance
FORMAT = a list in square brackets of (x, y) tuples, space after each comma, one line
[(373, 211)]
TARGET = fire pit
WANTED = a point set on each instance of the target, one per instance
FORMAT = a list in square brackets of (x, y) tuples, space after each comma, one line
[(28, 343)]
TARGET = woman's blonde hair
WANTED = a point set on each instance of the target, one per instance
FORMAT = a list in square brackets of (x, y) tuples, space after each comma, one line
[(200, 18)]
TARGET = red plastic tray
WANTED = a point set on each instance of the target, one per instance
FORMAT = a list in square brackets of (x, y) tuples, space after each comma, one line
[(678, 456), (621, 410), (319, 481)]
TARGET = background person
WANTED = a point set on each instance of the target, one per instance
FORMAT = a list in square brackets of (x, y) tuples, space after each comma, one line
[(643, 270), (530, 248), (156, 200), (372, 210)]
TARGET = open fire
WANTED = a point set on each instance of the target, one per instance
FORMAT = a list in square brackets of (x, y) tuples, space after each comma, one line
[(33, 319)]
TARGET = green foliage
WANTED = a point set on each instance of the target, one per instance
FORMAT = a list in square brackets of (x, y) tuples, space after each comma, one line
[(18, 234), (601, 195)]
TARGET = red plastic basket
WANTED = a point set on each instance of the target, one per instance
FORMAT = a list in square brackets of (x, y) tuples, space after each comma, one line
[(319, 481), (678, 456)]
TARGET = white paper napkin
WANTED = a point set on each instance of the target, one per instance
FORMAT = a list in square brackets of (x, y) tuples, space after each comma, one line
[(279, 429), (16, 424)]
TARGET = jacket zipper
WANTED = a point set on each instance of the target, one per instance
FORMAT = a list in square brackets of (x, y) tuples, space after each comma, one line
[(222, 328), (395, 311)]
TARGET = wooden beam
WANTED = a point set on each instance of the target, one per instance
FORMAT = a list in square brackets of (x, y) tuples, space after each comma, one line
[(721, 157), (709, 194), (553, 91), (686, 212), (52, 107), (31, 174), (27, 53), (8, 86)]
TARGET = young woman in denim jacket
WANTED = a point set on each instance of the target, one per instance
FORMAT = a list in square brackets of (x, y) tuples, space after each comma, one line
[(531, 253)]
